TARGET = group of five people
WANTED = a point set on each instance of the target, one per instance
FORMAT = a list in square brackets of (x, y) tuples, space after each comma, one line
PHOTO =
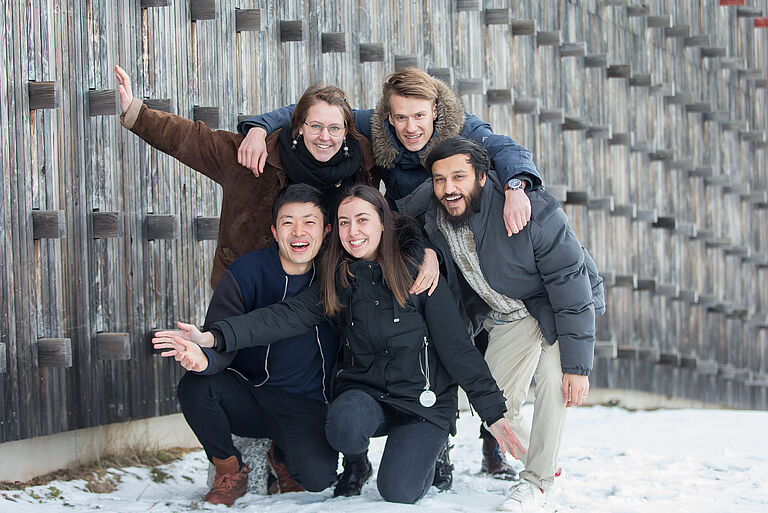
[(352, 314)]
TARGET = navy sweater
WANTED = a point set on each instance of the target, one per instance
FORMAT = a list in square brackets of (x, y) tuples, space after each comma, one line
[(299, 365)]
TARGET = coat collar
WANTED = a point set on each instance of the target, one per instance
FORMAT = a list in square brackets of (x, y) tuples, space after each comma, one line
[(387, 148)]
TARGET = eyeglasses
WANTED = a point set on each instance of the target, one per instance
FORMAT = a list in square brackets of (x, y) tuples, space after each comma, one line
[(317, 129)]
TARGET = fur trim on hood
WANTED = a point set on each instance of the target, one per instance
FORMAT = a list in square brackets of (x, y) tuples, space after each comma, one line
[(449, 122)]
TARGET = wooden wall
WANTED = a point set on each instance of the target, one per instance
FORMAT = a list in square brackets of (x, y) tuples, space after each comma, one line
[(647, 120)]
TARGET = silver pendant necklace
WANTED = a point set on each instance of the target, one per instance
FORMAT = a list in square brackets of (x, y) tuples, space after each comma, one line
[(427, 398)]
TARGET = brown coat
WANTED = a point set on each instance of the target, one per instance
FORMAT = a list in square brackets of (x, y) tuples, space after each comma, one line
[(246, 207)]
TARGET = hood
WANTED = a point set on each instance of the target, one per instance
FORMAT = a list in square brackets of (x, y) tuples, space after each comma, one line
[(449, 122)]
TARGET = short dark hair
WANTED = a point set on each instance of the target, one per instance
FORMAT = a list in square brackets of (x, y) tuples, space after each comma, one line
[(458, 145), (300, 193)]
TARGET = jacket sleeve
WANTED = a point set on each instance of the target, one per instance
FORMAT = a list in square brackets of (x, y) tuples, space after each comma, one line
[(190, 142), (418, 202), (270, 121), (363, 121), (459, 356), (560, 261), (264, 326), (227, 301), (509, 159)]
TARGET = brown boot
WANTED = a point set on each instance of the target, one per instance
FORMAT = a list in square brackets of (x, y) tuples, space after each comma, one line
[(283, 483), (494, 462), (230, 483)]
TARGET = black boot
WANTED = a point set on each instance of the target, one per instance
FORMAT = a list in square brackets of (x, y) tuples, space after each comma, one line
[(443, 469), (356, 474), (494, 462)]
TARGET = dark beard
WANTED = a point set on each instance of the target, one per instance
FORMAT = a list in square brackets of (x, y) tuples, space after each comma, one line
[(462, 220)]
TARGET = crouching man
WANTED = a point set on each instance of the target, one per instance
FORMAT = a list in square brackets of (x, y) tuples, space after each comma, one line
[(279, 391), (539, 292)]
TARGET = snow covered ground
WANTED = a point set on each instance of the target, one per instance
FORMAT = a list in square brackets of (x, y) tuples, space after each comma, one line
[(613, 461)]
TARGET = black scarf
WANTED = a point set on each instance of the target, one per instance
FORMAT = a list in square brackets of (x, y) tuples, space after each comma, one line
[(302, 167)]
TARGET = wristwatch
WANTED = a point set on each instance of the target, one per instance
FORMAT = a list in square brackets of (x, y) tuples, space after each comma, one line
[(513, 185)]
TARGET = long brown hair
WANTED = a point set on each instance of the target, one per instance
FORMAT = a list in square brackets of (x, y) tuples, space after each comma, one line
[(334, 264), (331, 95)]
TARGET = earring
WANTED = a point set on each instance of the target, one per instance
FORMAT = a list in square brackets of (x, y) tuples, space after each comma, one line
[(293, 144), (345, 148)]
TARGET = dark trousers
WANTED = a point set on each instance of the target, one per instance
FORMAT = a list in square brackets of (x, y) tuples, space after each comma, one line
[(223, 404), (408, 464)]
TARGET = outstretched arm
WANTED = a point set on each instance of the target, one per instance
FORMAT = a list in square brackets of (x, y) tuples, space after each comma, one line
[(252, 152)]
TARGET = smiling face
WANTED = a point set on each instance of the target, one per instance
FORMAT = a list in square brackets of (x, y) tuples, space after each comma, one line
[(299, 233), (413, 119), (360, 228), (456, 186), (323, 146)]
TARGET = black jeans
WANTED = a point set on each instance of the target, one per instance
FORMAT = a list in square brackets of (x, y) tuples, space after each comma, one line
[(408, 464), (223, 404)]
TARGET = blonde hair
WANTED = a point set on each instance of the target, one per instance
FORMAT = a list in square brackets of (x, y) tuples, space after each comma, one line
[(410, 82)]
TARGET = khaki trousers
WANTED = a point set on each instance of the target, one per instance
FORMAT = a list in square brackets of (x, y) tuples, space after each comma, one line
[(517, 352)]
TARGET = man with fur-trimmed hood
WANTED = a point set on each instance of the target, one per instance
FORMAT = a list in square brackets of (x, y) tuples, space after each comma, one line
[(416, 112)]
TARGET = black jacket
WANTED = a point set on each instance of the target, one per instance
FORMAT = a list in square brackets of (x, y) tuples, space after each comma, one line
[(383, 345), (544, 265)]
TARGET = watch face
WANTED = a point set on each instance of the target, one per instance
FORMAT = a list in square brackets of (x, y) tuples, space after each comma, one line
[(514, 184)]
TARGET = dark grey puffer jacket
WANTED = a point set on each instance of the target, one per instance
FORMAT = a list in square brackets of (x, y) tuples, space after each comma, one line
[(544, 265)]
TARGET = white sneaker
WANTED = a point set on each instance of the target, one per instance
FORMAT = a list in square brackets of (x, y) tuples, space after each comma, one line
[(523, 497)]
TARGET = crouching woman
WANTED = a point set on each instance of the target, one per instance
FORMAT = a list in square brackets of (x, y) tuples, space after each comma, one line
[(401, 356)]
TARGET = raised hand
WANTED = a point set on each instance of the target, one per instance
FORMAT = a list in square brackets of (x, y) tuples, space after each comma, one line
[(429, 274), (188, 354), (517, 210), (124, 88)]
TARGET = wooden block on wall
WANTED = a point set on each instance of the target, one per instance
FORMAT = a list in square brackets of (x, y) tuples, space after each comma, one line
[(247, 20), (624, 210), (669, 358), (154, 3), (599, 60), (371, 52), (442, 74), (706, 367), (113, 346), (470, 86), (202, 9), (48, 224), (207, 228), (574, 123), (626, 352), (605, 349), (626, 280), (619, 71), (635, 11), (551, 116), (600, 203), (499, 96), (645, 215), (696, 41), (558, 191), (208, 115), (497, 16), (698, 107), (406, 61), (548, 38), (752, 135), (678, 31), (161, 104), (102, 103), (526, 105), (523, 27), (291, 30), (621, 139), (161, 226), (710, 52), (333, 42), (648, 284), (663, 21), (107, 224), (44, 95), (54, 352), (640, 80), (2, 358), (576, 198), (690, 296), (748, 12), (578, 49), (599, 132), (661, 154), (735, 63), (467, 5), (648, 354)]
